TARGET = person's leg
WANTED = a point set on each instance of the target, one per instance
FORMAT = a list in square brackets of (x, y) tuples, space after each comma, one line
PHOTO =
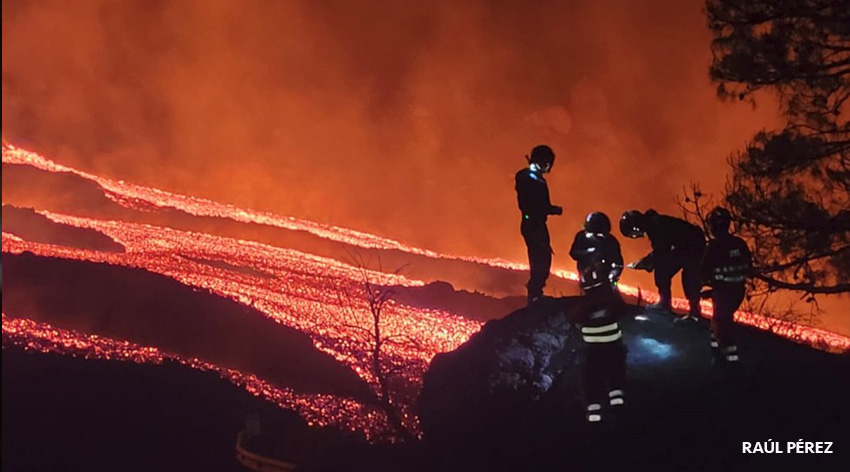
[(536, 237), (714, 325), (528, 237), (594, 386), (691, 283), (545, 255), (726, 302), (665, 269), (617, 373)]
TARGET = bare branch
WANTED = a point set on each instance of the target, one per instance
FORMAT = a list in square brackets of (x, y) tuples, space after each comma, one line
[(376, 299)]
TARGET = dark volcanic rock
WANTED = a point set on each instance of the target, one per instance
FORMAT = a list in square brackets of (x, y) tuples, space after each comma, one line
[(473, 305), (502, 371), (489, 406), (32, 226), (154, 310)]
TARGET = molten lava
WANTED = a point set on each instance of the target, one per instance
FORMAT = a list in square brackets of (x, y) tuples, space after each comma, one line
[(293, 288), (316, 409)]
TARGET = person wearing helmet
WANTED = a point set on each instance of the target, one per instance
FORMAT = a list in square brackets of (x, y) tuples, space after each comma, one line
[(533, 200), (676, 245), (600, 263), (726, 266)]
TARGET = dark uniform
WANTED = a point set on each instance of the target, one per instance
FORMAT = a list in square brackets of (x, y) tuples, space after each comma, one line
[(676, 245), (726, 266), (533, 200), (600, 263)]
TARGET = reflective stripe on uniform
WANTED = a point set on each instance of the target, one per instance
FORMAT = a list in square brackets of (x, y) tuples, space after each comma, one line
[(603, 339), (617, 401), (592, 286), (729, 269), (729, 278), (731, 274), (615, 393), (732, 358), (599, 329), (594, 407), (594, 418)]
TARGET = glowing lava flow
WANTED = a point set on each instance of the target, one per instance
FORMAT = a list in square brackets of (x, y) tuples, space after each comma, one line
[(301, 291), (293, 288), (146, 198), (316, 409)]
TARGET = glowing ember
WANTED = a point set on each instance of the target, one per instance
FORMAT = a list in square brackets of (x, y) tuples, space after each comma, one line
[(293, 288), (302, 292), (316, 409), (148, 199), (139, 197)]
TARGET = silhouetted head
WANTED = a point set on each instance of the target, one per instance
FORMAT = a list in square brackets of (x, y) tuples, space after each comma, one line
[(633, 224), (719, 220), (542, 158), (597, 222)]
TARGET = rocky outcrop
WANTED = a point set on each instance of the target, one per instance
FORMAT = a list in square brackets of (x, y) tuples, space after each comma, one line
[(503, 370)]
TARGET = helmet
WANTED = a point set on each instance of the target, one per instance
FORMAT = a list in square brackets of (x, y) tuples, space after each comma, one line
[(597, 222), (632, 224), (543, 156), (719, 220)]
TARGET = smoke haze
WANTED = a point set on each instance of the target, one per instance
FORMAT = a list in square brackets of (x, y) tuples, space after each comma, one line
[(405, 119)]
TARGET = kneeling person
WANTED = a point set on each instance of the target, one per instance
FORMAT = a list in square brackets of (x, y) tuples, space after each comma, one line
[(600, 263)]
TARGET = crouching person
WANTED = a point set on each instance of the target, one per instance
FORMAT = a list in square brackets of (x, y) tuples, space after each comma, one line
[(600, 264), (725, 267)]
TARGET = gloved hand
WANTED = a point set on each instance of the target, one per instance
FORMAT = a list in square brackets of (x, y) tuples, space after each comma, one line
[(643, 264), (556, 210)]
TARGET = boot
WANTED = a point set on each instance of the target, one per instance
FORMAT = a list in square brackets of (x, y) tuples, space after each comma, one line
[(615, 397), (662, 305), (594, 413)]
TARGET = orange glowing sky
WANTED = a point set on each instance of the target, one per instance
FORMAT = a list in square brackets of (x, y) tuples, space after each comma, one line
[(404, 119)]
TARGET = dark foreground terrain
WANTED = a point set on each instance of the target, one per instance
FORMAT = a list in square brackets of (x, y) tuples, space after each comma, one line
[(67, 414), (684, 412)]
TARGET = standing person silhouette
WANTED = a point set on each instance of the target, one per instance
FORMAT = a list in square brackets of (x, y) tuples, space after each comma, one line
[(600, 262), (533, 200), (726, 266)]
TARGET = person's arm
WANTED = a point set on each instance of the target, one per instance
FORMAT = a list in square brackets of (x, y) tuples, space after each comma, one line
[(533, 196), (617, 260), (706, 269), (662, 231), (581, 247), (645, 263), (661, 243), (550, 209)]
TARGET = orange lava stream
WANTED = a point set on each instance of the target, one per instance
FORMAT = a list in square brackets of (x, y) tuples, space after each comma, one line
[(148, 198), (293, 288), (298, 290), (316, 409)]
